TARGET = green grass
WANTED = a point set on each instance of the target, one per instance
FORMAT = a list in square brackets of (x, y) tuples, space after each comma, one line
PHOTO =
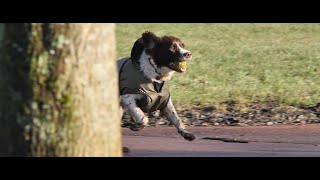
[(241, 63)]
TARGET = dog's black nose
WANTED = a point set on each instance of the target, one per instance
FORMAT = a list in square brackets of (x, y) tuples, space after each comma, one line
[(187, 54)]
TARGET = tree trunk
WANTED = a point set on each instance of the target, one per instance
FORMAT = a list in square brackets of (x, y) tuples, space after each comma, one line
[(59, 90)]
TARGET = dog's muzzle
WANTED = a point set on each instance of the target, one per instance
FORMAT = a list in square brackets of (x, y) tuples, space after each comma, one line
[(181, 64)]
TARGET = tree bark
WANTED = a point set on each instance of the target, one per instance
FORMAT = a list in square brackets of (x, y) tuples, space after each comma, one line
[(59, 90)]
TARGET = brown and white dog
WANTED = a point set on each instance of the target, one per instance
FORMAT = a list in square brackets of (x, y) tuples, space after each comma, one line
[(143, 79)]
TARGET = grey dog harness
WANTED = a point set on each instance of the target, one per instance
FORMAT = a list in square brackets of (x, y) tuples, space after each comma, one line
[(133, 81)]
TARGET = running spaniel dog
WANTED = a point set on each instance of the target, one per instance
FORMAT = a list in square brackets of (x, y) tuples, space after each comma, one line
[(143, 79)]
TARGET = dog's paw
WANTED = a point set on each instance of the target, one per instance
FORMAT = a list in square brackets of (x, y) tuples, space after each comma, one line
[(186, 135), (189, 136), (136, 127), (125, 150)]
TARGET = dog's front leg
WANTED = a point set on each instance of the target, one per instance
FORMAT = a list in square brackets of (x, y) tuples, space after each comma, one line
[(170, 113), (129, 103)]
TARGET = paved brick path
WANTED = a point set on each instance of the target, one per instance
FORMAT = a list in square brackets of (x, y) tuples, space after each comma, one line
[(262, 141)]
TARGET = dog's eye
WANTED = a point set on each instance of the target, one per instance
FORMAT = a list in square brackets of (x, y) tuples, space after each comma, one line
[(173, 47)]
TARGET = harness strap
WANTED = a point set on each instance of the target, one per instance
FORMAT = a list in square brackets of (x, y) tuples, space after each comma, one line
[(121, 63)]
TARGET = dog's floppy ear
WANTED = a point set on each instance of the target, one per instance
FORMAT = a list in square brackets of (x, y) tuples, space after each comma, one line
[(149, 40)]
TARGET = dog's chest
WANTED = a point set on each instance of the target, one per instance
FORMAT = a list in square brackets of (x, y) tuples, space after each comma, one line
[(132, 81)]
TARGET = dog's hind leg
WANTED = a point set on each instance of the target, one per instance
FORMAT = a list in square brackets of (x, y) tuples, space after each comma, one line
[(129, 103), (170, 113)]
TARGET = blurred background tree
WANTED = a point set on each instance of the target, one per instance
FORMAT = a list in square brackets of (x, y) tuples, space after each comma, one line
[(58, 86)]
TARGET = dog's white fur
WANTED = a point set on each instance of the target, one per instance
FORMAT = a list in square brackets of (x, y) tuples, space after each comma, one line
[(128, 102), (151, 70)]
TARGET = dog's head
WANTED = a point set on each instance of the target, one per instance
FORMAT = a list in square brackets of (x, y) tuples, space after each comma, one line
[(167, 51)]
